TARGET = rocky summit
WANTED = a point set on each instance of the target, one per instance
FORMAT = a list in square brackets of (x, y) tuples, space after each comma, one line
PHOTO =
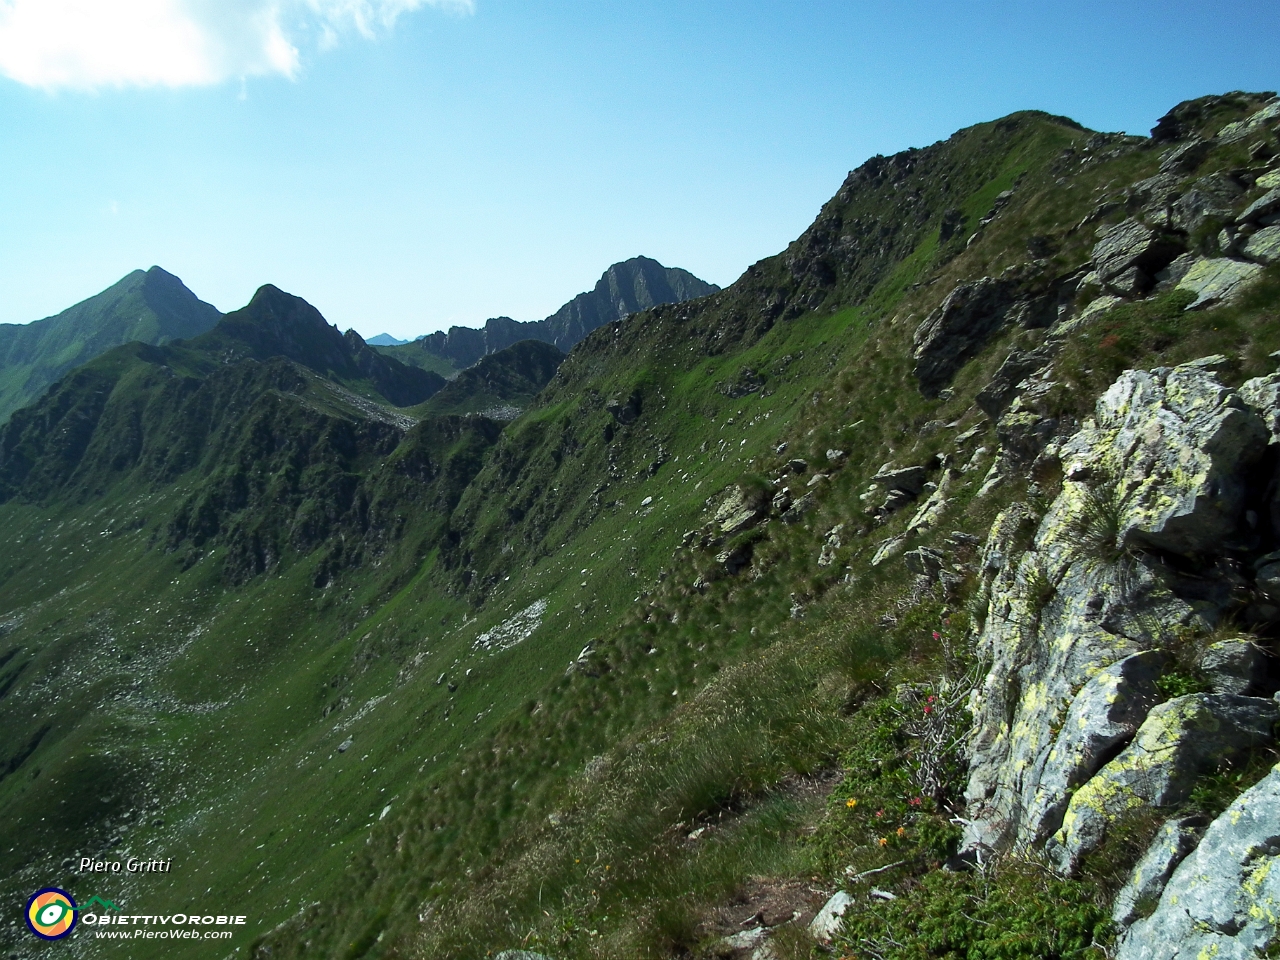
[(916, 595)]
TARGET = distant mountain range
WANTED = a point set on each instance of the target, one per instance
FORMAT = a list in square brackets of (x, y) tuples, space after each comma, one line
[(151, 306), (625, 288)]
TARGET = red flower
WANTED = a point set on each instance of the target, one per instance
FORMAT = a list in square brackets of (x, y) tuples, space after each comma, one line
[(937, 635)]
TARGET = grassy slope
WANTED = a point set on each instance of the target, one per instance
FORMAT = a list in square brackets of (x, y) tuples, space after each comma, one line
[(224, 705), (415, 356), (152, 306), (505, 381)]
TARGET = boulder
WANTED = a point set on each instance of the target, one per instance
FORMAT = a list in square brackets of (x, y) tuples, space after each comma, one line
[(1000, 391), (1262, 208), (1185, 157), (924, 560), (1172, 275), (1180, 740), (907, 479), (1262, 394), (1175, 839), (1223, 900), (1263, 246), (1209, 198), (830, 544), (795, 513), (889, 549), (830, 918), (1132, 244), (1218, 281), (960, 327), (741, 508), (1233, 666), (1175, 444)]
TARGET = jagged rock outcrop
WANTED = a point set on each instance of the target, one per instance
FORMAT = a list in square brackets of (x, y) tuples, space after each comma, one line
[(1175, 839), (1077, 614), (1180, 740), (1129, 255), (958, 329), (1223, 900)]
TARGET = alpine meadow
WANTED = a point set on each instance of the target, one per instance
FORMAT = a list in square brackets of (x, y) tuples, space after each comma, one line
[(917, 595)]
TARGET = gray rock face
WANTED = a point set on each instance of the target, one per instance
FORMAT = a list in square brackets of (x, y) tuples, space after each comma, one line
[(1174, 442), (831, 917), (1263, 395), (740, 509), (1176, 839), (907, 479), (1261, 208), (1185, 157), (958, 329), (1180, 740), (1106, 713), (1218, 280), (999, 393), (1223, 900), (1263, 246), (1211, 197), (1069, 622), (1233, 666), (1129, 245)]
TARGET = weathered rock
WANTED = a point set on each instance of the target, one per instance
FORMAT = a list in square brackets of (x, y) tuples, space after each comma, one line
[(895, 501), (798, 509), (1139, 896), (1133, 244), (1174, 443), (1223, 900), (933, 508), (1180, 740), (831, 917), (741, 508), (1263, 207), (830, 544), (520, 955), (1218, 280), (924, 560), (907, 479), (1172, 275), (1211, 197), (625, 411), (958, 329), (999, 393), (1159, 467), (1023, 435), (1185, 157), (1263, 395), (1250, 125), (1233, 666), (889, 549), (1105, 714), (1263, 246)]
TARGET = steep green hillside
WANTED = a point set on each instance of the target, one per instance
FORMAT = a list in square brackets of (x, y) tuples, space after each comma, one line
[(623, 289), (620, 677), (152, 307), (501, 385)]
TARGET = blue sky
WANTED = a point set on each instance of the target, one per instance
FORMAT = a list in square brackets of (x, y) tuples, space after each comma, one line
[(406, 165)]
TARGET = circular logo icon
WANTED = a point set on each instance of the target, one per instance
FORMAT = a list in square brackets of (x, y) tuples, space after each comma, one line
[(51, 913)]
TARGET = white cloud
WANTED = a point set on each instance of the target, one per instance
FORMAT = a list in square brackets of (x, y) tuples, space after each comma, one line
[(87, 44)]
